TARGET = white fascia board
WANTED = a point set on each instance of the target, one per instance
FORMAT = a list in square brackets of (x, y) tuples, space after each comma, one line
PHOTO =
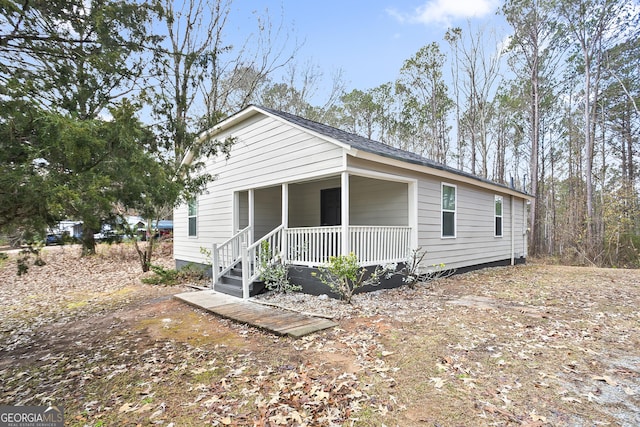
[(443, 174), (309, 131), (297, 179), (250, 111), (219, 128), (369, 173)]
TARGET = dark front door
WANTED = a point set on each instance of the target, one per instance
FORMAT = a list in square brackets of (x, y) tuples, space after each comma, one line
[(330, 206)]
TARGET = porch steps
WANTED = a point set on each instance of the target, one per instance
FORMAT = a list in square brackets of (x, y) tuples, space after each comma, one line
[(231, 284)]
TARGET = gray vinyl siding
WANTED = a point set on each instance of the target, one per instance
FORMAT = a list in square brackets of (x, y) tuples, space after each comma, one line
[(371, 202), (304, 201), (243, 209), (475, 241), (272, 152), (520, 229), (180, 231), (378, 202), (268, 210)]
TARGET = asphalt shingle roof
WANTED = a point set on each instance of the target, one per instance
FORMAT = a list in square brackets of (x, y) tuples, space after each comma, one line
[(361, 143)]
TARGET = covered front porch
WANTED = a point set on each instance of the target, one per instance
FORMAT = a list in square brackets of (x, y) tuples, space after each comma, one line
[(305, 223)]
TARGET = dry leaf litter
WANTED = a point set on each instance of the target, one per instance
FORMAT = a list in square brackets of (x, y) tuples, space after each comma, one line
[(536, 345)]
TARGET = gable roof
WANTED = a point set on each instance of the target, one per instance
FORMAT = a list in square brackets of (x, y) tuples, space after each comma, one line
[(356, 141), (352, 140), (375, 147)]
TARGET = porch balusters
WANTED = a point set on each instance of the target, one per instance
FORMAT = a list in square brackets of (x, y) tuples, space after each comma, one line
[(310, 246), (225, 255), (313, 246)]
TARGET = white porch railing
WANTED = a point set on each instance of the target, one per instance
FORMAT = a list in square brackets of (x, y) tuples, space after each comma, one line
[(309, 246), (267, 248), (313, 245), (225, 255), (373, 245), (378, 245)]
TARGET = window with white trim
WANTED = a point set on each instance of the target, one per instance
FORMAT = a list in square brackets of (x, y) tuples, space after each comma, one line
[(448, 210), (498, 216), (192, 215)]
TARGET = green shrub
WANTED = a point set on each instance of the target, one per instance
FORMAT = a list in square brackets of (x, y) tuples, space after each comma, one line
[(162, 276), (273, 272), (172, 277), (24, 260), (192, 272), (623, 251), (415, 272), (343, 275)]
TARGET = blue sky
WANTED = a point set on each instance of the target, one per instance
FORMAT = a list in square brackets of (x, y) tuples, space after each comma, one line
[(369, 40)]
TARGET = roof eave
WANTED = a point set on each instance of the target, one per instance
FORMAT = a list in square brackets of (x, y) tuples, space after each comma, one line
[(444, 172), (248, 112), (219, 128), (327, 138)]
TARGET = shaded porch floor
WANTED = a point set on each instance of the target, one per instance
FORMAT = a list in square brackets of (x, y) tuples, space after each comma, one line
[(272, 319)]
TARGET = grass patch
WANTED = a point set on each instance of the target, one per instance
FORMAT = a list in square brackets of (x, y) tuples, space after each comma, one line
[(191, 327), (74, 305), (170, 277)]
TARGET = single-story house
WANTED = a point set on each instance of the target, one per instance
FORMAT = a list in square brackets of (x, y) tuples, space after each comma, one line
[(312, 191), (69, 227), (139, 225)]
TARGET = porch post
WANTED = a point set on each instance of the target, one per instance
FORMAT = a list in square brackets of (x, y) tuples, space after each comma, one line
[(236, 213), (251, 219), (215, 265), (285, 221), (344, 203), (412, 190), (245, 272)]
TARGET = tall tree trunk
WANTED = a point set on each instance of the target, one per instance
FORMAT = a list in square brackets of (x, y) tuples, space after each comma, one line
[(534, 220), (589, 149), (88, 241), (554, 222), (631, 173)]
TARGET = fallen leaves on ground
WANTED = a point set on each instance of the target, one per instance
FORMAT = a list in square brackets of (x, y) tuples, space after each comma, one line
[(533, 345), (86, 334), (504, 343)]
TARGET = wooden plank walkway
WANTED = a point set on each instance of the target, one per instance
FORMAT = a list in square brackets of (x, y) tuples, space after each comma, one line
[(273, 319)]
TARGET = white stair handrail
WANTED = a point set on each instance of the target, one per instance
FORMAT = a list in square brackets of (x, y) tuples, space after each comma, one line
[(228, 253), (274, 238), (237, 249)]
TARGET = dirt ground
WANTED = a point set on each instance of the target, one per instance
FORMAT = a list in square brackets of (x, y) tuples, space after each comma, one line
[(533, 345)]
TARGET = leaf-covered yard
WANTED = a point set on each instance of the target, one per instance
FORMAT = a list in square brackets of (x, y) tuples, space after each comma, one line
[(532, 345)]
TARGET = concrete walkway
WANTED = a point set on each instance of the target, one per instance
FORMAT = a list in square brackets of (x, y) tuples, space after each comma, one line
[(281, 322)]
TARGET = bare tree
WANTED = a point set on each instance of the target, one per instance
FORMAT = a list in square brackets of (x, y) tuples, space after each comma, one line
[(238, 79), (297, 92), (197, 65), (480, 71), (592, 26), (193, 40), (534, 52), (453, 36)]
